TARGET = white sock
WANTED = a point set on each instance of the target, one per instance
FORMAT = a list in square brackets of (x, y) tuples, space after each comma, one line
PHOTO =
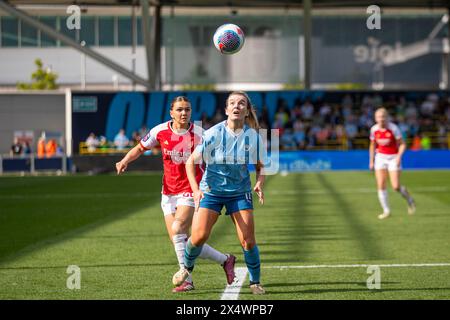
[(383, 197), (179, 242), (210, 253)]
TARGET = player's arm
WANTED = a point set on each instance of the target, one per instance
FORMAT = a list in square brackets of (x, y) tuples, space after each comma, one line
[(371, 154), (132, 155), (260, 178), (195, 158), (401, 150)]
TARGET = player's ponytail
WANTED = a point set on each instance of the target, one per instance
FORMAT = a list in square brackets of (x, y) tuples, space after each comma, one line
[(251, 119)]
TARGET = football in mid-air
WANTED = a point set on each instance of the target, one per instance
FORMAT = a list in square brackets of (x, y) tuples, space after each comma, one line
[(228, 38)]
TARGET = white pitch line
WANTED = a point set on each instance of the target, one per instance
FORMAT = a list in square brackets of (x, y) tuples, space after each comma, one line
[(232, 291), (414, 265)]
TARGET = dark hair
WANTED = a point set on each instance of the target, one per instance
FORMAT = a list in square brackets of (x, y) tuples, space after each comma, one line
[(179, 99), (251, 119)]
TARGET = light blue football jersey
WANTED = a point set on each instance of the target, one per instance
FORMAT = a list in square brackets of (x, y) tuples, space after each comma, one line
[(227, 156)]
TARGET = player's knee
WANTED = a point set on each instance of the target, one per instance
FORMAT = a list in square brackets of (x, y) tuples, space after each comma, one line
[(179, 226)]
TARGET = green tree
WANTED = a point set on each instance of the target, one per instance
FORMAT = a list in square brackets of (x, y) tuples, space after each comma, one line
[(42, 79)]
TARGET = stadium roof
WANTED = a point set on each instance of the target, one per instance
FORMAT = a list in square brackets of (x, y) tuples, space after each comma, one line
[(248, 3)]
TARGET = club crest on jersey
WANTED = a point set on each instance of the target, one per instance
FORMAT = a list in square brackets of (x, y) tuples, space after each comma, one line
[(247, 147), (166, 142)]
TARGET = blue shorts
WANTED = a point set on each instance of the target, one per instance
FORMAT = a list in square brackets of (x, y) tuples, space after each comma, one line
[(233, 204)]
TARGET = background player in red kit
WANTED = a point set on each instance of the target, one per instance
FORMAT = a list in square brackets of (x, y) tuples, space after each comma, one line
[(386, 151), (178, 138)]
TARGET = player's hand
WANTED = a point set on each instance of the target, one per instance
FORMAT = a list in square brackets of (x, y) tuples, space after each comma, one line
[(259, 192), (198, 195), (120, 167), (371, 166)]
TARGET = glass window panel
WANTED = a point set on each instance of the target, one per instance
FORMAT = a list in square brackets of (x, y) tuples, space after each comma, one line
[(10, 31), (106, 31)]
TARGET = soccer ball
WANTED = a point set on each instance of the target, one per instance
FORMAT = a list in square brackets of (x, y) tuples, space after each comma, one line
[(228, 38)]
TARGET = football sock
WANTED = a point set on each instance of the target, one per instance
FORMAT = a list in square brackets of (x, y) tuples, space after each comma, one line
[(179, 242), (253, 264), (210, 253), (404, 193), (383, 197), (190, 254)]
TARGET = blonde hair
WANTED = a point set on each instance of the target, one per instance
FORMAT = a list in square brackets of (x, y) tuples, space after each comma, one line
[(251, 119), (382, 110)]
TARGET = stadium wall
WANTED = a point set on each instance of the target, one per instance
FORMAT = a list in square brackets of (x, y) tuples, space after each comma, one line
[(35, 112)]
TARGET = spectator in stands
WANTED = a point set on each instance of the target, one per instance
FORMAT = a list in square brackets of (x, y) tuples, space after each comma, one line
[(143, 131), (299, 136), (347, 101), (307, 110), (92, 142), (425, 142), (403, 126), (281, 116), (41, 147), (135, 138), (351, 130), (325, 111), (16, 148), (296, 112), (27, 148), (287, 140), (428, 106), (416, 143), (323, 135), (51, 148), (120, 140)]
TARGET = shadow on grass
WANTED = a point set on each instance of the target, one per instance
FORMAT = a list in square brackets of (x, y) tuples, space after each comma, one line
[(119, 265), (330, 283), (36, 223), (359, 231), (343, 290)]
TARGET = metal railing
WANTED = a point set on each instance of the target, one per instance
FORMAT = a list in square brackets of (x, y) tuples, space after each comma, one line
[(33, 164), (437, 141)]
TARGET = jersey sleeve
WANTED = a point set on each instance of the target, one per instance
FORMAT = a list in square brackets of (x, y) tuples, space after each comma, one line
[(150, 140), (372, 134), (396, 131)]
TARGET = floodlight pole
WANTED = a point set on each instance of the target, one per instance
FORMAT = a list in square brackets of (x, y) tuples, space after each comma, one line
[(448, 53), (147, 43), (307, 42), (156, 47)]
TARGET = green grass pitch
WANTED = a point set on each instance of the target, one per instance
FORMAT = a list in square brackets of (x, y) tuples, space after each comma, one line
[(112, 228)]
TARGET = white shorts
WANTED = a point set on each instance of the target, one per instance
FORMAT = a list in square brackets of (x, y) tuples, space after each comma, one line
[(169, 203), (386, 161)]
